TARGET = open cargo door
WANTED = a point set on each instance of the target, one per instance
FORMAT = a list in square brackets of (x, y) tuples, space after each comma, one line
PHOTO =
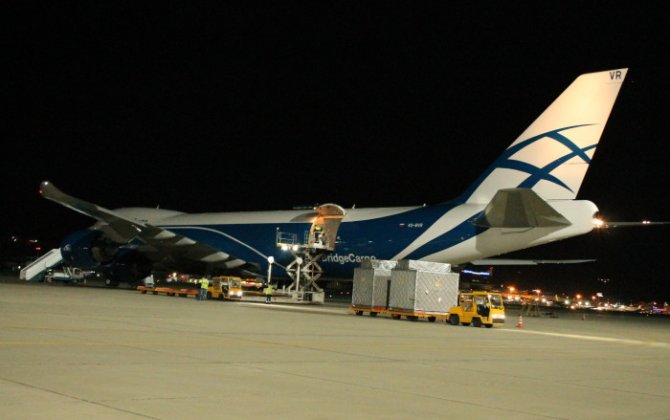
[(323, 232)]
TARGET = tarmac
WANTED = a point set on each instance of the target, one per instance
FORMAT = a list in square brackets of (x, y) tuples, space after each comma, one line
[(90, 352)]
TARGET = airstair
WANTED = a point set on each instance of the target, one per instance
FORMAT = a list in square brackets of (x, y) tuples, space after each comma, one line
[(318, 241), (33, 270)]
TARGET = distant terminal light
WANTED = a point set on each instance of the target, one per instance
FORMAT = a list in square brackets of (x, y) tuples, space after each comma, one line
[(476, 273)]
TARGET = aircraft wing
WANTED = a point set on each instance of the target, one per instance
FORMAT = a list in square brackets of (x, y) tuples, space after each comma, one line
[(158, 244), (607, 224), (496, 261)]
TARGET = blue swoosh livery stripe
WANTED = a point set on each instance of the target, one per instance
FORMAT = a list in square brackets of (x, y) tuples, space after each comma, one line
[(536, 174)]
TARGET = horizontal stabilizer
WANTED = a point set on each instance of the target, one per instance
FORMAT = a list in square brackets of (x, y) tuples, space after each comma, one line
[(495, 261), (608, 224), (519, 208)]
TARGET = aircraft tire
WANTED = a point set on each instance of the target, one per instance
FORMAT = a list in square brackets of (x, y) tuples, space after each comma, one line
[(111, 283)]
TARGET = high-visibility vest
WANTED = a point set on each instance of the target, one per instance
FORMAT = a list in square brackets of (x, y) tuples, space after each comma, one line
[(268, 290), (204, 284)]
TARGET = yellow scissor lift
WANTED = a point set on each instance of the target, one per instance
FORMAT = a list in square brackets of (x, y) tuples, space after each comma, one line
[(319, 241)]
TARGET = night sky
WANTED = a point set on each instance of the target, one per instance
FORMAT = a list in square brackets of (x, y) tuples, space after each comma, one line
[(229, 107)]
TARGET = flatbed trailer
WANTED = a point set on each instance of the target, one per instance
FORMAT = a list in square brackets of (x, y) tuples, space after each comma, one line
[(398, 313), (168, 291)]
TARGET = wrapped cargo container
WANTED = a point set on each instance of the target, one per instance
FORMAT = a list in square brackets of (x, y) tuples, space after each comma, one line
[(426, 266), (423, 291), (370, 288), (408, 287)]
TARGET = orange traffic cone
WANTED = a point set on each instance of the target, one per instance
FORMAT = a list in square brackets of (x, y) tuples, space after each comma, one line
[(519, 323)]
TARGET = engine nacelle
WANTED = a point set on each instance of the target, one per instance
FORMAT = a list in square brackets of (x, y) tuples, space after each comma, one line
[(77, 249), (90, 250)]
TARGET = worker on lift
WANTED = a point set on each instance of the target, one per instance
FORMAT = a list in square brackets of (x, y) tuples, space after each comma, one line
[(320, 236), (318, 231)]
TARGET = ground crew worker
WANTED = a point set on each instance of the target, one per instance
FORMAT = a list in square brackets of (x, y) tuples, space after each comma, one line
[(487, 308), (198, 285), (268, 293), (204, 286)]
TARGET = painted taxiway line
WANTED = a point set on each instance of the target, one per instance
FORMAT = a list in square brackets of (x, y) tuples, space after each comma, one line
[(593, 338), (298, 308)]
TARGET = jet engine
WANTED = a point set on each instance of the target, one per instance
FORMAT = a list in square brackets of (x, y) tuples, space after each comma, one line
[(90, 249)]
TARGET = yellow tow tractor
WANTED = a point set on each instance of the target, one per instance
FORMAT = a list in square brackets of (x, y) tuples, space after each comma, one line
[(478, 308), (225, 288)]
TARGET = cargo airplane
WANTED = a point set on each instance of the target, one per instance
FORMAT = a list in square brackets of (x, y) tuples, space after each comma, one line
[(526, 197)]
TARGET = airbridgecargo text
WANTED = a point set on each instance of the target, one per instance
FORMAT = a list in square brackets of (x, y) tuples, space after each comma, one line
[(348, 258)]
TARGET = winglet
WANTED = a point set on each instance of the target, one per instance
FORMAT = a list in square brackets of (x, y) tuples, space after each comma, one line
[(49, 191)]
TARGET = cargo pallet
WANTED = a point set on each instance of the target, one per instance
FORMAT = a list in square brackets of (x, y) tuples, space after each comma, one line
[(168, 291), (399, 313)]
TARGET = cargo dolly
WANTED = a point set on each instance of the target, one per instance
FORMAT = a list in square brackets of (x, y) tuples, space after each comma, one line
[(168, 291)]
